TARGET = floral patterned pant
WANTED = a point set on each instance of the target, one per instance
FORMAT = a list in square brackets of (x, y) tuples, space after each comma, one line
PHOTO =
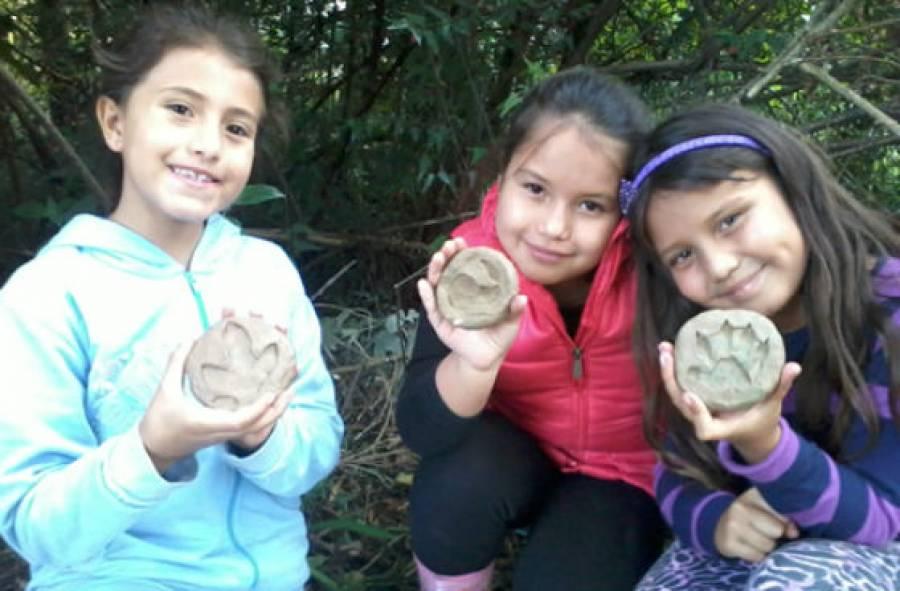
[(811, 564)]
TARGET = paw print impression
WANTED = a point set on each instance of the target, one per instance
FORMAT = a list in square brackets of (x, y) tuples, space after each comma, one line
[(239, 360), (475, 288), (731, 359)]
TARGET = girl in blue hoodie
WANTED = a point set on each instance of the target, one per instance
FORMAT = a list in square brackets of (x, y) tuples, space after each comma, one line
[(111, 477)]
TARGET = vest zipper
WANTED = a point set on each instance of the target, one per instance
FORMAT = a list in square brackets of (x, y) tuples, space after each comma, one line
[(577, 368)]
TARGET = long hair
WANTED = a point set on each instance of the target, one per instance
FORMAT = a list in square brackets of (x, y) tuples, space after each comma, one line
[(843, 237)]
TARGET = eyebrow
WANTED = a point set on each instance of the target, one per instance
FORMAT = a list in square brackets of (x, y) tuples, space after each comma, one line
[(240, 111), (525, 170)]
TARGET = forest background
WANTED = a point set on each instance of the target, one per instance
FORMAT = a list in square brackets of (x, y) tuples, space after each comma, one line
[(393, 108)]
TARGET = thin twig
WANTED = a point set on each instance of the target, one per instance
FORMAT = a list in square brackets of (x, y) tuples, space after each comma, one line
[(333, 278), (418, 272), (848, 93), (55, 134), (814, 28)]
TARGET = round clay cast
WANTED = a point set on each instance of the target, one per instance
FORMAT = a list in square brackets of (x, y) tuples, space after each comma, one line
[(476, 287), (731, 359), (238, 360)]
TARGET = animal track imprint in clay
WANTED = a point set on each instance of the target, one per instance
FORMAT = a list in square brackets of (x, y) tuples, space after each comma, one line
[(731, 359), (476, 287), (237, 361)]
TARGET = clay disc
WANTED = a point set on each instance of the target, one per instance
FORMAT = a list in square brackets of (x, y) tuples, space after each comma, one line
[(475, 288), (731, 359), (238, 360)]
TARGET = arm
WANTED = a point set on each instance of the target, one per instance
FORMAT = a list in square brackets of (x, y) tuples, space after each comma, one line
[(304, 446), (453, 370), (691, 510), (856, 499), (55, 480), (425, 422)]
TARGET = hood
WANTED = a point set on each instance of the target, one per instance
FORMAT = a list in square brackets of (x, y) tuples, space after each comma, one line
[(127, 250)]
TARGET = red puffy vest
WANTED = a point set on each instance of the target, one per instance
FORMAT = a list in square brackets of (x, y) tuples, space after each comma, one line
[(581, 398)]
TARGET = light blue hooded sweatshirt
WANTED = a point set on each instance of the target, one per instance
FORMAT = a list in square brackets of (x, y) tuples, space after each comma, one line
[(86, 331)]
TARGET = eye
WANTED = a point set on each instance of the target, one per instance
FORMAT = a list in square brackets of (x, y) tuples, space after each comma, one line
[(238, 130), (179, 109), (593, 206), (680, 258), (729, 221), (533, 188)]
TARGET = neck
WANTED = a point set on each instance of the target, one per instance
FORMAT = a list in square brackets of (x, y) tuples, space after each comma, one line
[(572, 293), (178, 240), (791, 317)]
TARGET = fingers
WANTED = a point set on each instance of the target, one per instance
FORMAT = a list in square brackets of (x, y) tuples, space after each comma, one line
[(789, 373), (749, 531), (687, 403), (517, 305), (791, 531), (441, 257), (426, 294), (765, 524), (175, 367)]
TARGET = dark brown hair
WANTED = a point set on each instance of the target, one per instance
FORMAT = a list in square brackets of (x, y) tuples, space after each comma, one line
[(603, 102), (125, 59), (842, 236)]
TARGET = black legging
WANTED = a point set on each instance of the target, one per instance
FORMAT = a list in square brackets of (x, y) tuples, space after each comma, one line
[(584, 533)]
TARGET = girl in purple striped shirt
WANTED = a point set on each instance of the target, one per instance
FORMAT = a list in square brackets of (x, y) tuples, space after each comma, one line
[(802, 490)]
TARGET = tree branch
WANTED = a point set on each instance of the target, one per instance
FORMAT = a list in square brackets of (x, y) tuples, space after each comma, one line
[(55, 135), (846, 92), (841, 149), (814, 28), (585, 33)]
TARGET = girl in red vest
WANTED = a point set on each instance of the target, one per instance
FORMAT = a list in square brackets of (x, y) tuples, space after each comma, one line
[(536, 422)]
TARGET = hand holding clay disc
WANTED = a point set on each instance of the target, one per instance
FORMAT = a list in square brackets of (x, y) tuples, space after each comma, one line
[(476, 287), (239, 360), (731, 359)]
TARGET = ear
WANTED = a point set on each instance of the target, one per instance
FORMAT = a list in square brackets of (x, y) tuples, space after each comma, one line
[(112, 122)]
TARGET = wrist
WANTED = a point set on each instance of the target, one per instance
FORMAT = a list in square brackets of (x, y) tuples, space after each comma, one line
[(160, 461), (248, 444), (480, 369), (465, 389), (755, 450)]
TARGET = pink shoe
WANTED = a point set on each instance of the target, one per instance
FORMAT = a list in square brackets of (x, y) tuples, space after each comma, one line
[(476, 581)]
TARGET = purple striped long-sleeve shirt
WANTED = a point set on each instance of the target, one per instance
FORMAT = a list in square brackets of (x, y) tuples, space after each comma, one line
[(858, 500)]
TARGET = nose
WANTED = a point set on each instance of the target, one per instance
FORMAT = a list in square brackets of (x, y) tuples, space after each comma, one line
[(721, 263), (206, 139), (555, 222)]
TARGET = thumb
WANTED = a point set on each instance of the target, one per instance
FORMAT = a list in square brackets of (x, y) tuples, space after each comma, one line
[(791, 530), (517, 305), (175, 367), (789, 374)]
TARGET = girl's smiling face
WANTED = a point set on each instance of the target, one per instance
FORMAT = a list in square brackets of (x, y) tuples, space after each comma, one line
[(558, 204), (186, 134), (735, 244)]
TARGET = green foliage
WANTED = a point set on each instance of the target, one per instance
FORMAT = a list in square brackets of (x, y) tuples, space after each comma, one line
[(256, 194), (395, 106), (394, 110)]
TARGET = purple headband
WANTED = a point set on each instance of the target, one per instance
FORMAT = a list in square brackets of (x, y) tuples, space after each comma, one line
[(628, 189)]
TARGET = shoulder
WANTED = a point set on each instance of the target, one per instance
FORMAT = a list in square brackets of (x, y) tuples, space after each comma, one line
[(886, 278), (45, 278), (256, 258)]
